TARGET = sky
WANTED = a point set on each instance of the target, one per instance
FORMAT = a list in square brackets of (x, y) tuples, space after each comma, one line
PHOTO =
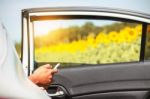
[(10, 10), (44, 27)]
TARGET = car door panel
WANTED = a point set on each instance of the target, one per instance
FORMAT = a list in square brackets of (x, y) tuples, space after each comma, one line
[(116, 95), (94, 79)]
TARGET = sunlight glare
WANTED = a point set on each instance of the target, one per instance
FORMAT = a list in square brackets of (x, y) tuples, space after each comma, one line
[(44, 27)]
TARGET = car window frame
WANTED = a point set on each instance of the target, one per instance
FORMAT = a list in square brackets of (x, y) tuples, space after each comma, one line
[(99, 18), (26, 14)]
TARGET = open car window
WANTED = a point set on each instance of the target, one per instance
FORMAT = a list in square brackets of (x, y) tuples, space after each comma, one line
[(86, 41), (147, 47)]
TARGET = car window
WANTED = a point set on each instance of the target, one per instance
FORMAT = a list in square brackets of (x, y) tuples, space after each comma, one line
[(87, 41), (147, 49)]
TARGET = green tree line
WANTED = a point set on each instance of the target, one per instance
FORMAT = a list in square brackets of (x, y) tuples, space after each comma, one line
[(74, 33)]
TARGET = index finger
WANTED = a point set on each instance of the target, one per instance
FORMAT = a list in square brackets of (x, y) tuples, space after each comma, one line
[(48, 66)]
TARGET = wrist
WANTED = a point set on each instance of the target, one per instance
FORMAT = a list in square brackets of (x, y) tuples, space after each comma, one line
[(33, 79)]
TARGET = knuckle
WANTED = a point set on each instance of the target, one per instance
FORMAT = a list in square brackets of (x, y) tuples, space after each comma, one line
[(50, 77), (50, 71)]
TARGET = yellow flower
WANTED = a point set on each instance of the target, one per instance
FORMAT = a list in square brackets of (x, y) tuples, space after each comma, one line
[(100, 37), (113, 36)]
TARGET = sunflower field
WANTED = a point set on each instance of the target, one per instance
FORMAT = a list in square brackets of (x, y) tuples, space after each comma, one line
[(96, 48)]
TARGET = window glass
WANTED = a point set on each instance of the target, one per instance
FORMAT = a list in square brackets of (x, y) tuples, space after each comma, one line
[(147, 49), (87, 41)]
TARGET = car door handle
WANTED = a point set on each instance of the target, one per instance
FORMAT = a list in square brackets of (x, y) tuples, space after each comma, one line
[(57, 94)]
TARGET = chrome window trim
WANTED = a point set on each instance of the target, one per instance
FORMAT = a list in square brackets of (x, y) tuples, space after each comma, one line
[(25, 47), (116, 15), (31, 48)]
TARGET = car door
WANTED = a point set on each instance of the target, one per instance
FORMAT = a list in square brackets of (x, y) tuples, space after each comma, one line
[(104, 53)]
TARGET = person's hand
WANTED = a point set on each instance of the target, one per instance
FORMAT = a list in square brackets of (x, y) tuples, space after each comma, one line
[(43, 75)]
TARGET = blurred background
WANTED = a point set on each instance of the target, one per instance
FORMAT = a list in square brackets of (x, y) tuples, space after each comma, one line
[(10, 12)]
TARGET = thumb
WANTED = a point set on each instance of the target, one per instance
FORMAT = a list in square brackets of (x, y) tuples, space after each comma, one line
[(54, 71)]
